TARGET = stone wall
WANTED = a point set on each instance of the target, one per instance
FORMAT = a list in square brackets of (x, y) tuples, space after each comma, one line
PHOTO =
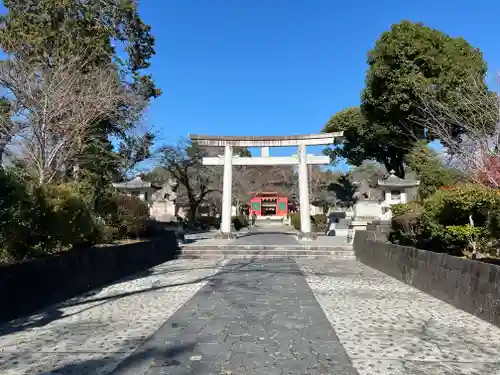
[(468, 285), (29, 286)]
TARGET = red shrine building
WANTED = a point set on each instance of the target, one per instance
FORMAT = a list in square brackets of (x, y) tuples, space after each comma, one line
[(269, 204)]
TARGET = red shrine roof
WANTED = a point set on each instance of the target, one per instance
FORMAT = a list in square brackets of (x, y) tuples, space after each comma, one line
[(267, 194)]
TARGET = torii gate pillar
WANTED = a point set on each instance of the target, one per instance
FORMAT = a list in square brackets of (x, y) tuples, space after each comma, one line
[(302, 160)]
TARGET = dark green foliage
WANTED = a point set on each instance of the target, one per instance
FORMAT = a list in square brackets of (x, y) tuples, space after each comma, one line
[(54, 31), (410, 64), (131, 216), (353, 146), (208, 222), (81, 207), (344, 189), (319, 222), (239, 222), (454, 221), (52, 218), (43, 220), (405, 63), (17, 214), (295, 220), (68, 217), (403, 208)]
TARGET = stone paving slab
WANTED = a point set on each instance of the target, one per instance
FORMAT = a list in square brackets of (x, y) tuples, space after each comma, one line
[(258, 317), (91, 334), (388, 327)]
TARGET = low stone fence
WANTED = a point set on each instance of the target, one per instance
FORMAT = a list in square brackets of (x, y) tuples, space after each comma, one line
[(29, 286), (466, 284)]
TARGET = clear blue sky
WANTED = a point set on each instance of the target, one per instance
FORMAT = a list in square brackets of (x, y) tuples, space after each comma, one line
[(272, 67)]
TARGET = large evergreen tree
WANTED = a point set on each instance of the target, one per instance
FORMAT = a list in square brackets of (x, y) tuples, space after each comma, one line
[(409, 64)]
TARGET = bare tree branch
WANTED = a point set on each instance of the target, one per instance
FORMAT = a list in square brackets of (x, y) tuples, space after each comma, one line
[(471, 135), (54, 109)]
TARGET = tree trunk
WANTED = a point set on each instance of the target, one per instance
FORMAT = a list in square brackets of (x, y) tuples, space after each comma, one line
[(193, 210)]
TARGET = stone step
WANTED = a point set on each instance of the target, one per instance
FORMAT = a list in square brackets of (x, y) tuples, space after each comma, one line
[(275, 253), (266, 247), (263, 256)]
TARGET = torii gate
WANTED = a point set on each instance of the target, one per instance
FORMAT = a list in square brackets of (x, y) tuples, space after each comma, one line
[(301, 159)]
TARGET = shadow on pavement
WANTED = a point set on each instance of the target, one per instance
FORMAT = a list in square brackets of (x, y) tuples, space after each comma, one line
[(143, 359), (53, 313)]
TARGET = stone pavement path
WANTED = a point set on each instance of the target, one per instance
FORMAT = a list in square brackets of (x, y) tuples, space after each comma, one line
[(258, 317), (390, 328), (252, 317)]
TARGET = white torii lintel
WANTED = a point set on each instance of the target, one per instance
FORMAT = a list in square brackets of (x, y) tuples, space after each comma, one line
[(321, 139), (271, 160), (301, 159)]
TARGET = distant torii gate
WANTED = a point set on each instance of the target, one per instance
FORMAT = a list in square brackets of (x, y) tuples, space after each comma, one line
[(301, 159)]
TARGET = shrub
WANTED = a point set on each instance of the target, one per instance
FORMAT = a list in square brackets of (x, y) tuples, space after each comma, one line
[(131, 216), (403, 208), (235, 220), (69, 218), (243, 220), (42, 220), (405, 228), (239, 222), (442, 224), (207, 222), (319, 221), (459, 238), (295, 220)]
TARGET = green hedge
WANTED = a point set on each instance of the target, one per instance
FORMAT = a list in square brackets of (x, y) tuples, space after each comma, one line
[(442, 222)]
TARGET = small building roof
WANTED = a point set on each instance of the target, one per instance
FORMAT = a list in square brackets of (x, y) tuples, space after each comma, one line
[(136, 184), (393, 181)]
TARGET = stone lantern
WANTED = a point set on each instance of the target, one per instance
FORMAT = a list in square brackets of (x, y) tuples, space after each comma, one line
[(395, 191), (137, 187)]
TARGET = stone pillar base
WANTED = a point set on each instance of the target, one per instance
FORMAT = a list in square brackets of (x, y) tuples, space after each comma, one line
[(225, 236), (307, 236)]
